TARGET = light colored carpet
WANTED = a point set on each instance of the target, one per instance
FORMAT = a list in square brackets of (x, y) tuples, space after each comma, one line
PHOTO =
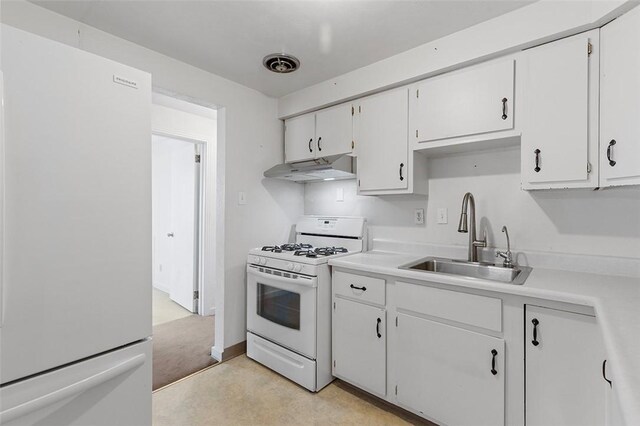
[(181, 347), (164, 309), (243, 392)]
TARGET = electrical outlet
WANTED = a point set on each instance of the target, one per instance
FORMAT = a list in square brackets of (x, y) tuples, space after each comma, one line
[(418, 217), (442, 216), (242, 198)]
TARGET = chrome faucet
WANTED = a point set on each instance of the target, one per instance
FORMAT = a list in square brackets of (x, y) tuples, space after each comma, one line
[(462, 227), (506, 255)]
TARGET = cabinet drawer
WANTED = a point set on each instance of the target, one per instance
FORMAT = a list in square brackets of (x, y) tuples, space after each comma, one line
[(479, 311), (359, 287)]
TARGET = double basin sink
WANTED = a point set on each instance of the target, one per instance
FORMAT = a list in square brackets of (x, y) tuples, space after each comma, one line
[(487, 271)]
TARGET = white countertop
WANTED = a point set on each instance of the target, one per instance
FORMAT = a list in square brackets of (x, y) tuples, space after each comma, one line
[(616, 301)]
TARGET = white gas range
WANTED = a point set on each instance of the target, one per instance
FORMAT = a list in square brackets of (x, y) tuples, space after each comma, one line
[(289, 298)]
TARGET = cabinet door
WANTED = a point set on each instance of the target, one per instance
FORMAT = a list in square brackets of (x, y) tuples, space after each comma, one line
[(620, 101), (475, 100), (445, 372), (563, 379), (382, 141), (555, 116), (299, 138), (359, 345), (334, 131)]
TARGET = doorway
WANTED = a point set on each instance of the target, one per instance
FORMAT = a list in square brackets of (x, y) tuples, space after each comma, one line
[(184, 189)]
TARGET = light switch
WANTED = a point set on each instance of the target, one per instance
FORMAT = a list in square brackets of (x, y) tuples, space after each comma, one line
[(442, 216), (242, 198), (340, 194), (418, 217)]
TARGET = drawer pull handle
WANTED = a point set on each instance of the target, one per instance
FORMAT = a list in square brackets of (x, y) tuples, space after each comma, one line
[(604, 372), (537, 153), (504, 108), (310, 149), (319, 147), (494, 353), (535, 323), (610, 151), (378, 328), (363, 288), (401, 166)]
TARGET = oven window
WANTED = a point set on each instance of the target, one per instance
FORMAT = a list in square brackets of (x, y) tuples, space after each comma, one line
[(279, 306)]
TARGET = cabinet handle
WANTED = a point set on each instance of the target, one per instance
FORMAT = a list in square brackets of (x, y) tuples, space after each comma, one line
[(401, 166), (610, 151), (310, 142), (604, 373), (537, 153), (363, 288), (378, 328), (494, 353), (504, 108), (535, 323), (319, 147)]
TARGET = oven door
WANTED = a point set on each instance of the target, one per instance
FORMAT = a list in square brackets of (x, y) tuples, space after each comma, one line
[(281, 307)]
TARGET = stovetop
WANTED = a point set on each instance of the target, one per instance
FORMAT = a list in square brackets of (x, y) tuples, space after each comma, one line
[(306, 250)]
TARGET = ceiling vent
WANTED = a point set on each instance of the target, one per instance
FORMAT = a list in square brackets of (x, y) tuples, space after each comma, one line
[(281, 63)]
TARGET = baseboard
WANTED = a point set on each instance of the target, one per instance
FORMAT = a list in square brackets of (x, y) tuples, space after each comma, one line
[(216, 354), (161, 287), (230, 352)]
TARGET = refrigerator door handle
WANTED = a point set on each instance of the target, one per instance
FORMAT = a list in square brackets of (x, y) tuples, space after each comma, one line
[(71, 390)]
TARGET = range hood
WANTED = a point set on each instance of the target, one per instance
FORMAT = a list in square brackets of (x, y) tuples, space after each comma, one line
[(327, 168)]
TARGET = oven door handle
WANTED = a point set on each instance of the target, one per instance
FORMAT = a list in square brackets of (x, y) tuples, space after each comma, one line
[(307, 282)]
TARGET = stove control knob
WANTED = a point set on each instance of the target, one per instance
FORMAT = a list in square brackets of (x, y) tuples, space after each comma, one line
[(255, 259), (290, 266), (263, 261), (298, 268)]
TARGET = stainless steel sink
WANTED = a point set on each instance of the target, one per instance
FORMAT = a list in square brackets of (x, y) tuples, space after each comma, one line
[(486, 271)]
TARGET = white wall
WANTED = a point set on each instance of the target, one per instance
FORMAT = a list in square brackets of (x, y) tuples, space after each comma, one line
[(605, 222), (161, 218), (529, 26), (249, 142)]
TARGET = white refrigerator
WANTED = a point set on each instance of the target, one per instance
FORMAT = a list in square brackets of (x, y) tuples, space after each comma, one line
[(75, 307)]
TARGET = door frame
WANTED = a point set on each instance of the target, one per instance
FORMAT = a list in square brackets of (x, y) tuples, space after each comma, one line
[(200, 231)]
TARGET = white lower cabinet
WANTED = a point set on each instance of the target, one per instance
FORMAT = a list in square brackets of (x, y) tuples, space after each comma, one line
[(564, 355), (359, 345), (449, 374)]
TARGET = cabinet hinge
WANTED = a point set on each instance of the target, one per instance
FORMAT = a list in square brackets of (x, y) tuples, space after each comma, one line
[(358, 182), (417, 93), (196, 294), (334, 363), (359, 109), (589, 48), (396, 321), (334, 305), (353, 145), (396, 389), (353, 111), (197, 158), (588, 167), (416, 133)]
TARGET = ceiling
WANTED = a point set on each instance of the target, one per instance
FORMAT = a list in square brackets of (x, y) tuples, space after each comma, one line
[(230, 38)]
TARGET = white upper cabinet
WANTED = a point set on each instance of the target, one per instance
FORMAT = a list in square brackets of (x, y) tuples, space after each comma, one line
[(334, 131), (299, 138), (620, 101), (320, 134), (560, 113), (382, 141), (472, 101)]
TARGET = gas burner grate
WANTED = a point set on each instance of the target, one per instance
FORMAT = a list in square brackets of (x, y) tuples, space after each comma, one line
[(273, 249), (306, 253), (295, 247), (329, 251)]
